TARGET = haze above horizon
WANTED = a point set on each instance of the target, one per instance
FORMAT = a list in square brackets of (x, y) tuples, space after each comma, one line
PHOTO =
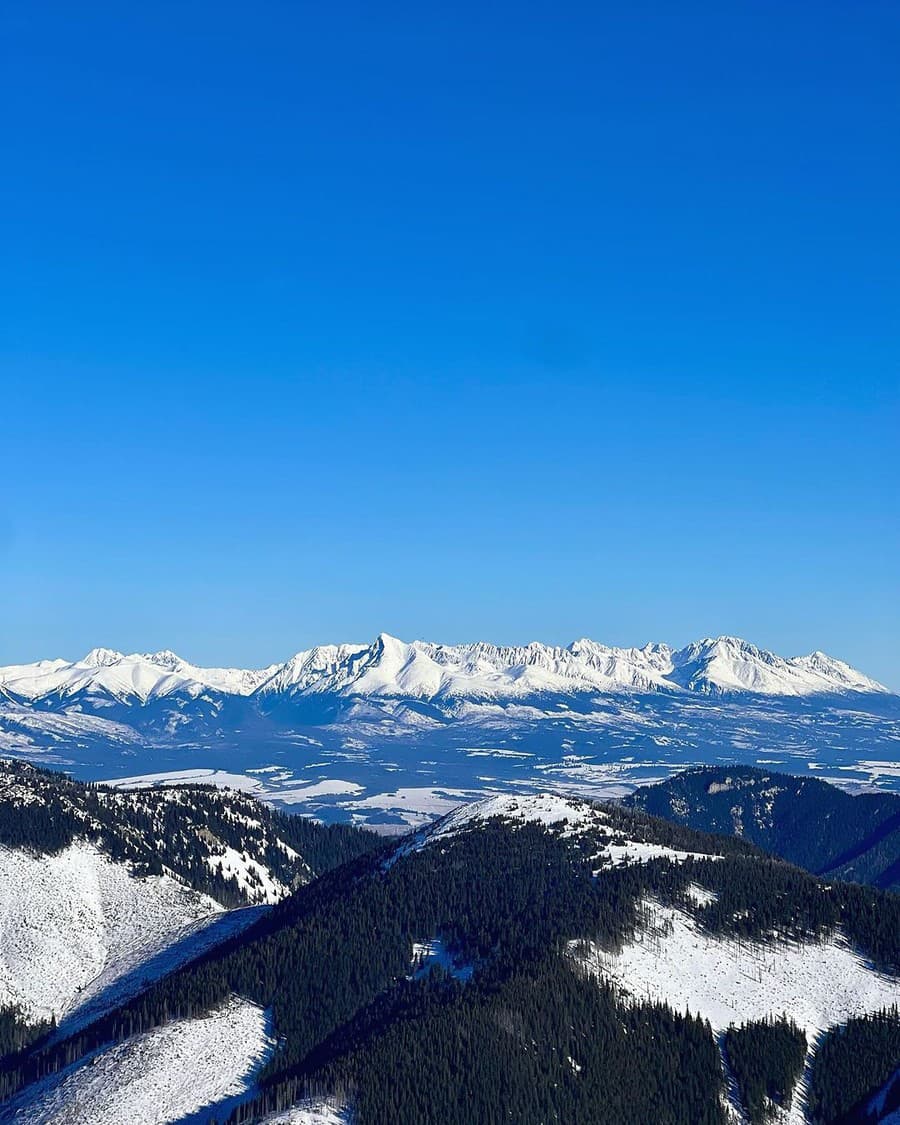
[(459, 323)]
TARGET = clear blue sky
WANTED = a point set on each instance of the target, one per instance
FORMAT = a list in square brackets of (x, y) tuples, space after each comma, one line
[(509, 321)]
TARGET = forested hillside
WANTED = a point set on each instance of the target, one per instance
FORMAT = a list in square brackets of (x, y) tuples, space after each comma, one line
[(94, 881), (802, 819), (499, 1023), (222, 843)]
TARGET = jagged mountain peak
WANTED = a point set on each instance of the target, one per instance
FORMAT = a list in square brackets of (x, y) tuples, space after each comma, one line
[(165, 658), (392, 668), (102, 657)]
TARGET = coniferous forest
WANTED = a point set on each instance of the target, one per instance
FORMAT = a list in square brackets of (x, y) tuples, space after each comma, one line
[(766, 1058), (852, 1062), (176, 829), (524, 1037), (802, 819)]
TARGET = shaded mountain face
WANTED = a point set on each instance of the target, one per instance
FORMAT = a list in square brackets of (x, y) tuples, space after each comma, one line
[(528, 958), (802, 819), (392, 733)]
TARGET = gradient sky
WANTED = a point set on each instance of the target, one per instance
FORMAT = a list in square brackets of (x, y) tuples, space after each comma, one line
[(511, 321)]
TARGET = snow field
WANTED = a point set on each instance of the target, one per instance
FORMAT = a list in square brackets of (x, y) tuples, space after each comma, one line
[(159, 1077), (818, 984), (67, 920)]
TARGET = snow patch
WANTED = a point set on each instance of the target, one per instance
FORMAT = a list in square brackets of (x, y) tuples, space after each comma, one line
[(425, 954), (254, 879), (221, 779), (310, 1113)]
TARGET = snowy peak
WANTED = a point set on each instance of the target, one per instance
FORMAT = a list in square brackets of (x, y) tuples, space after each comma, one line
[(834, 671), (392, 668), (326, 667), (102, 657), (728, 664), (138, 677), (548, 809)]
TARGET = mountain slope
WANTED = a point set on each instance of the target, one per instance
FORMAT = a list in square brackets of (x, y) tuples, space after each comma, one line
[(96, 885), (222, 843), (508, 895), (184, 1066), (66, 917), (804, 820)]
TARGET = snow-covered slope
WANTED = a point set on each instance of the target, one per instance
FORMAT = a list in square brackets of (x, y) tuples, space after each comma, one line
[(137, 677), (425, 670), (507, 877), (552, 810), (616, 839), (672, 959), (160, 1077), (220, 842), (67, 920), (95, 882)]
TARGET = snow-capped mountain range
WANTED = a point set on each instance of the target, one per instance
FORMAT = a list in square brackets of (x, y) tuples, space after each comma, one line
[(423, 670), (393, 732)]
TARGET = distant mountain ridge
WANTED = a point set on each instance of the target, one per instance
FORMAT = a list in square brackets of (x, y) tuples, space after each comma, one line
[(424, 670), (802, 819)]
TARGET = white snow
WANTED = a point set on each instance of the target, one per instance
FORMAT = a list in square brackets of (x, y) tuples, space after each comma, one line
[(569, 816), (538, 808), (132, 972), (416, 806), (159, 1077), (67, 920), (636, 851), (250, 875), (434, 952), (222, 779), (328, 787), (310, 1113), (700, 896), (423, 669), (818, 984)]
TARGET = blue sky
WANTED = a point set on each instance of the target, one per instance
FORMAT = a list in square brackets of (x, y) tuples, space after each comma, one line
[(509, 321)]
